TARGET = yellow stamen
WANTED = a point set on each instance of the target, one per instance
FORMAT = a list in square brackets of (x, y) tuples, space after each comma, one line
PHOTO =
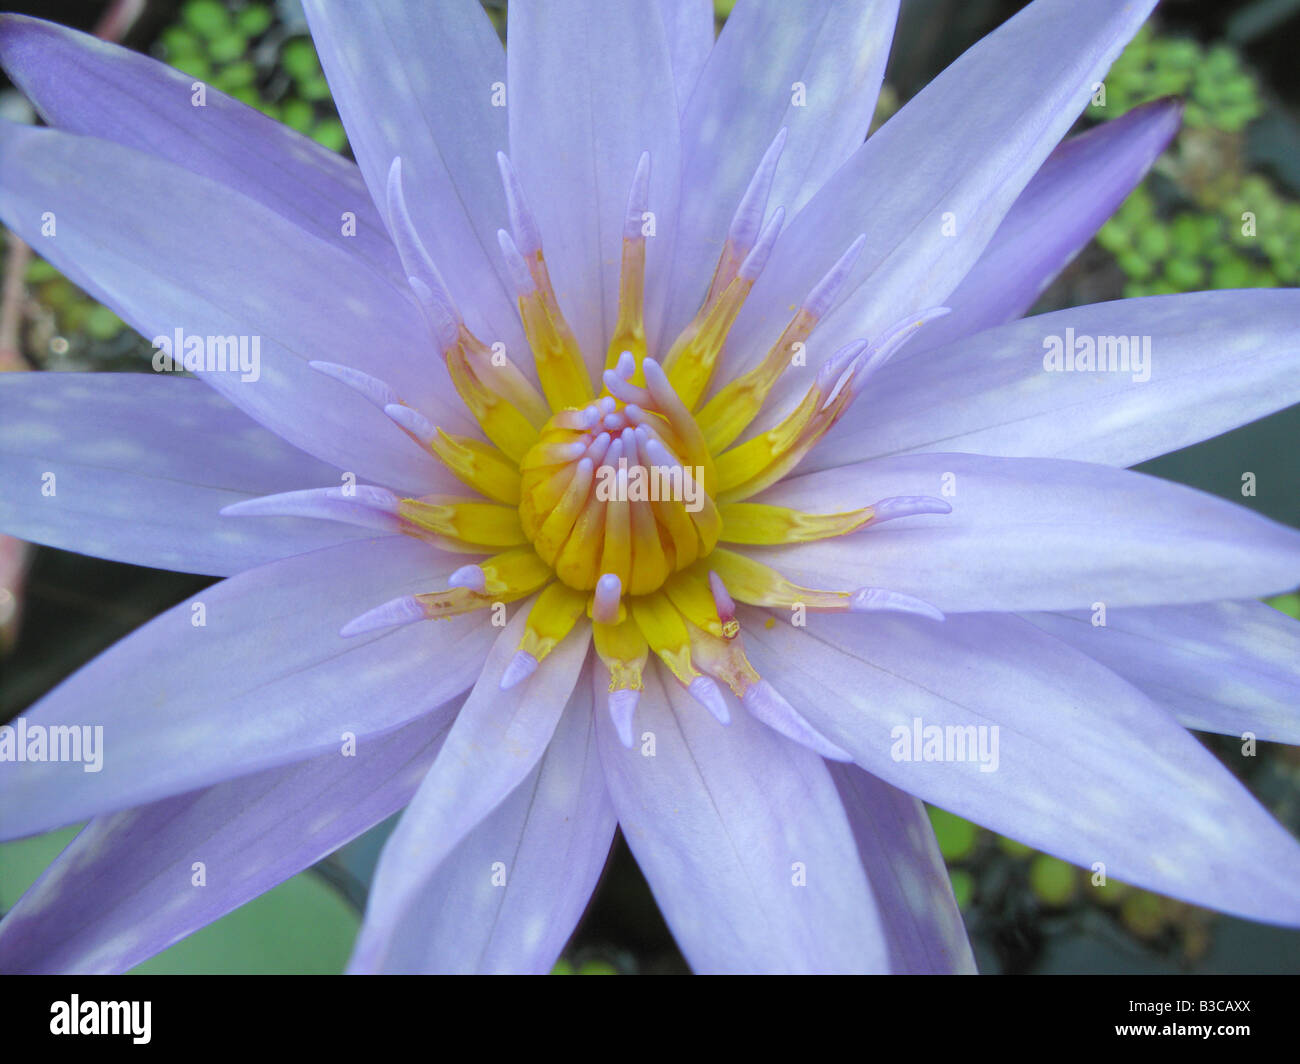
[(691, 360), (479, 466), (515, 573), (725, 659), (508, 577), (759, 462), (650, 562), (689, 592), (555, 528), (555, 349), (624, 651), (483, 524), (666, 633), (761, 525), (760, 585), (501, 423), (499, 373), (578, 563), (552, 617), (729, 413), (629, 329)]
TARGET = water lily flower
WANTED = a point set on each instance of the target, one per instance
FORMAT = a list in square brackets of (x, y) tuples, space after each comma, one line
[(874, 500)]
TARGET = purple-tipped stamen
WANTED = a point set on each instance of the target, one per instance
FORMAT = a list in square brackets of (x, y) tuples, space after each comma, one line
[(520, 276), (416, 260), (748, 219), (523, 224), (824, 292), (638, 198), (762, 249), (364, 506)]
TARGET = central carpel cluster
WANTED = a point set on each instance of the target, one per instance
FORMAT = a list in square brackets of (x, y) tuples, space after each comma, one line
[(621, 499), (605, 492)]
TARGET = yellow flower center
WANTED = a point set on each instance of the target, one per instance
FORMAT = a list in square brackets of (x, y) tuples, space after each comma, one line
[(602, 491), (608, 499)]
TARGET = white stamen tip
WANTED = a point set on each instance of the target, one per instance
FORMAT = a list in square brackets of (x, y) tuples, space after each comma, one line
[(868, 599), (707, 693), (637, 198), (522, 222), (470, 577), (440, 318), (604, 605), (515, 264), (521, 666), (824, 292), (396, 611), (757, 258), (622, 704), (372, 388), (907, 506), (748, 219), (413, 422)]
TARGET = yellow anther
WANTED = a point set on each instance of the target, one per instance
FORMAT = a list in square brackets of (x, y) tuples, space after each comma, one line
[(578, 563)]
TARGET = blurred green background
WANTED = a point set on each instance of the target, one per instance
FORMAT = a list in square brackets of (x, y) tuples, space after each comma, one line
[(1234, 64)]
